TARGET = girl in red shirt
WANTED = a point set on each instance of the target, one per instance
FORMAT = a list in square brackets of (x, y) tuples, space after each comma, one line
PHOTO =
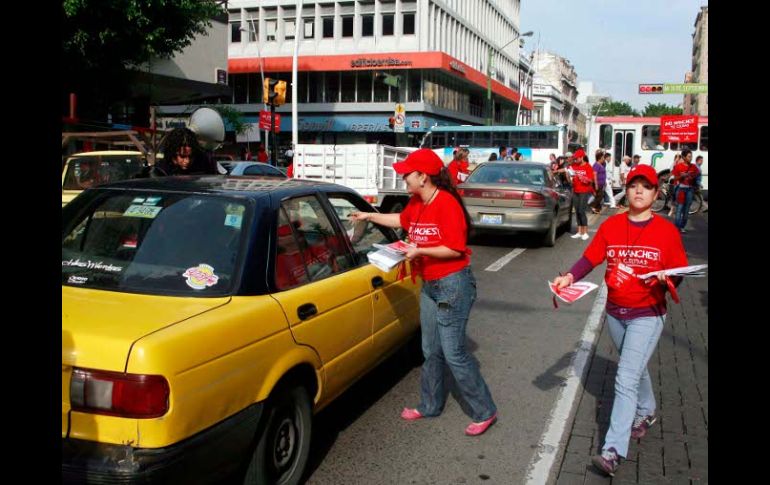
[(582, 187), (437, 223), (458, 168), (633, 243)]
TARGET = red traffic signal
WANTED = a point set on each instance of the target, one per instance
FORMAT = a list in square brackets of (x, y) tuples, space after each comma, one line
[(650, 89), (391, 122)]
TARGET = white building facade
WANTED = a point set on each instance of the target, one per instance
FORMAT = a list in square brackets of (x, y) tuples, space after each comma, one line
[(438, 49)]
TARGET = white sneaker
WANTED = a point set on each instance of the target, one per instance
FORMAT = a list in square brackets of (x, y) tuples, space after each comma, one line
[(584, 237), (576, 235)]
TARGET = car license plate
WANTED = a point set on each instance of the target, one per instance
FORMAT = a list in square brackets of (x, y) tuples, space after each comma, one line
[(491, 218)]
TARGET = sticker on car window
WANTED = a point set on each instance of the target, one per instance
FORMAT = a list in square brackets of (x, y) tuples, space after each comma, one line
[(92, 265), (200, 277), (234, 217), (145, 211), (77, 280), (138, 200), (152, 201)]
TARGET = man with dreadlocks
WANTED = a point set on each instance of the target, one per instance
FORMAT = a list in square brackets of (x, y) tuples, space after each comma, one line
[(182, 155)]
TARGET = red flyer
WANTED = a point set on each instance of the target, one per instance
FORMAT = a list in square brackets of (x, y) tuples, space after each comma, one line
[(573, 292)]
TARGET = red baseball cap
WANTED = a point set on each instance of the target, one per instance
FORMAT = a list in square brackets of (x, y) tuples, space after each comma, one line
[(645, 171), (579, 154), (423, 160)]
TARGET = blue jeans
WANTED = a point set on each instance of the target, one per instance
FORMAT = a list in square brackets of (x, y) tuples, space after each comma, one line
[(635, 340), (444, 308), (683, 210)]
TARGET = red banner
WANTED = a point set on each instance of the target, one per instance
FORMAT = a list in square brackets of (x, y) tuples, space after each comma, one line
[(683, 129), (264, 121)]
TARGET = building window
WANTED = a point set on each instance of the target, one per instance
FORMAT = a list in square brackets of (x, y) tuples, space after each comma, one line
[(415, 85), (271, 26), (328, 27), (289, 29), (240, 88), (348, 86), (408, 24), (235, 32), (309, 26), (314, 87), (381, 90), (367, 26), (332, 90), (364, 86), (387, 24), (347, 26), (651, 138)]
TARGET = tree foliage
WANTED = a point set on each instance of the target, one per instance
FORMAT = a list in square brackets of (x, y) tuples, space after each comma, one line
[(101, 39), (614, 108), (661, 109)]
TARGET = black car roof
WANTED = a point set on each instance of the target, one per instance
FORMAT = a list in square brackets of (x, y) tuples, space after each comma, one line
[(248, 186)]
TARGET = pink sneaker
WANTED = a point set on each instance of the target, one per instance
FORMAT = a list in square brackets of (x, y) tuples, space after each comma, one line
[(475, 429), (410, 414)]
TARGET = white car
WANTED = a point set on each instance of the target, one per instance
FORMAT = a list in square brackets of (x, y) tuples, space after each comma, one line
[(252, 168)]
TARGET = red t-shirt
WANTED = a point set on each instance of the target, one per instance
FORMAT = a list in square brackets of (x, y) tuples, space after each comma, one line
[(458, 171), (290, 170), (583, 179), (653, 247), (690, 172), (440, 223), (262, 156)]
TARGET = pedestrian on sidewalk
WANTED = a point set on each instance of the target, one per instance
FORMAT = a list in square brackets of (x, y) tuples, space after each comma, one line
[(672, 188), (685, 173), (582, 187), (634, 242), (438, 223), (600, 180), (458, 168)]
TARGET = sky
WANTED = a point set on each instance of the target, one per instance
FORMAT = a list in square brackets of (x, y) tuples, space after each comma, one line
[(617, 44)]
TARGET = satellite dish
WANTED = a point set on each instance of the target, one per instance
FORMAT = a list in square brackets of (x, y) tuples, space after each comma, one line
[(208, 126)]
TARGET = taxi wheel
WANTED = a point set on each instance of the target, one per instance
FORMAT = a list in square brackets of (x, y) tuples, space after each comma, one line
[(283, 447)]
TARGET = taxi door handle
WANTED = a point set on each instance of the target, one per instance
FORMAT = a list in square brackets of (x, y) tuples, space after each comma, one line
[(377, 281), (306, 311)]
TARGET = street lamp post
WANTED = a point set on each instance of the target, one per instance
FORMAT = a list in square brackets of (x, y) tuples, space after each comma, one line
[(489, 74), (522, 90)]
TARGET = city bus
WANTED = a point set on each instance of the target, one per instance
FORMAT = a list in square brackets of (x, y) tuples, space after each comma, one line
[(535, 143), (632, 135)]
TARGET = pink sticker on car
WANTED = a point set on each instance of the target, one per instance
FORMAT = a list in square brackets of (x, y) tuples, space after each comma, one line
[(200, 277)]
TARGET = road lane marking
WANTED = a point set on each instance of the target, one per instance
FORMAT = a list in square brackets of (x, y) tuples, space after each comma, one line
[(504, 260), (548, 448)]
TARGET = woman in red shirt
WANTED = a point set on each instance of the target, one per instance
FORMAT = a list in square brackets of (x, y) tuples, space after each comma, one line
[(458, 168), (635, 243), (582, 187), (437, 223)]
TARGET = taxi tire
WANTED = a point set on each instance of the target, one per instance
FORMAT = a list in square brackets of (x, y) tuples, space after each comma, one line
[(281, 452)]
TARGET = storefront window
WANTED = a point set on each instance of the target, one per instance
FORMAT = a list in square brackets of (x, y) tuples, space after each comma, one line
[(348, 85), (332, 90), (415, 84), (364, 86)]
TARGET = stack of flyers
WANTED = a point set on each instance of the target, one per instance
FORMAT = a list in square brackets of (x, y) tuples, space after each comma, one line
[(692, 271), (388, 256), (573, 292)]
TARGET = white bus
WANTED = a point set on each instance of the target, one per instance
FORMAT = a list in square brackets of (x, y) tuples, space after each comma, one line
[(535, 143), (632, 135)]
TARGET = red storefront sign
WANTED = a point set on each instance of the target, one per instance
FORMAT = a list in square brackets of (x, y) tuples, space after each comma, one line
[(264, 121), (681, 129)]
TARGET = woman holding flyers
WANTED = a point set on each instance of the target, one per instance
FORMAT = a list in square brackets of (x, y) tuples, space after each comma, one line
[(635, 242), (437, 223), (583, 187)]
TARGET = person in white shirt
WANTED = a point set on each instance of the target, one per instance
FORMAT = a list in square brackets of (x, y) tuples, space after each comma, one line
[(625, 167), (608, 183)]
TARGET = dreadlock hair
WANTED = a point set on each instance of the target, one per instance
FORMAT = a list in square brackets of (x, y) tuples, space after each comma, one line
[(444, 181), (175, 141)]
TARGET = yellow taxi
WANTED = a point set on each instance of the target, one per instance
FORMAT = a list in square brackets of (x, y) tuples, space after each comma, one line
[(85, 170), (206, 319)]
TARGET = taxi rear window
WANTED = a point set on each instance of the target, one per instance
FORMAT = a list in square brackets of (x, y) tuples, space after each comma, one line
[(156, 242), (89, 171)]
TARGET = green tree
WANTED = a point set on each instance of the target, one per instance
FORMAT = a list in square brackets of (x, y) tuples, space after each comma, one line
[(613, 108), (661, 109), (103, 39)]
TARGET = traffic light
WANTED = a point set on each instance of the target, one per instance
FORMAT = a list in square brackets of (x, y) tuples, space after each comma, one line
[(391, 122), (274, 92), (650, 89)]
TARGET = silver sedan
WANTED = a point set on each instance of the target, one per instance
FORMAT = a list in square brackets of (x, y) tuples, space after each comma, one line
[(252, 168), (517, 196)]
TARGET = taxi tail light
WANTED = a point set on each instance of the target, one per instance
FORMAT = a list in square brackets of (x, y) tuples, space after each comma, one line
[(533, 199), (119, 394), (372, 199)]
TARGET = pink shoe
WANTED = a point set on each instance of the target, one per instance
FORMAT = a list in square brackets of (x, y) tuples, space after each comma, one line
[(475, 429), (410, 414)]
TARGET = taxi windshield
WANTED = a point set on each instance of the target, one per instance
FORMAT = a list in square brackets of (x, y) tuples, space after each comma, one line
[(155, 242)]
